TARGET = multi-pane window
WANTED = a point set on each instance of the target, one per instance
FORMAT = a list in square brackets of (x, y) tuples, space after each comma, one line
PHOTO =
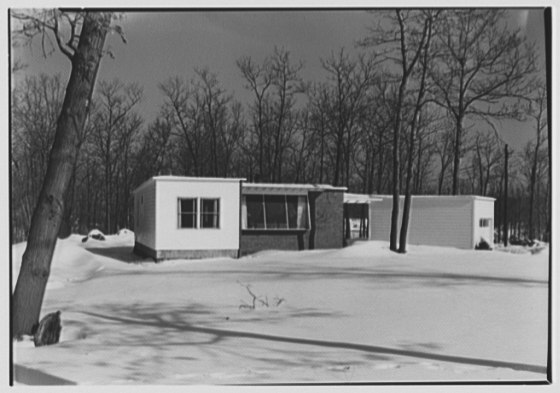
[(275, 212), (210, 213), (187, 212)]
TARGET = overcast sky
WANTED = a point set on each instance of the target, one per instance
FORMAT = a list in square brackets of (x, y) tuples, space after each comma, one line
[(164, 44)]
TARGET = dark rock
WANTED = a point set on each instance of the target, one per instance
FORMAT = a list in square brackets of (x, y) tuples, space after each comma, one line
[(98, 236), (84, 239), (48, 331)]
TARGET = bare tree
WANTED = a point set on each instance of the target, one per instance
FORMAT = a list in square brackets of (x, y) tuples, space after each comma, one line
[(537, 113), (36, 103), (275, 85), (424, 47), (402, 42), (84, 48), (482, 68), (114, 123), (347, 101), (187, 121)]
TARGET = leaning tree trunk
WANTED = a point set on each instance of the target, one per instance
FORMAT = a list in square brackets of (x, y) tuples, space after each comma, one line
[(48, 214)]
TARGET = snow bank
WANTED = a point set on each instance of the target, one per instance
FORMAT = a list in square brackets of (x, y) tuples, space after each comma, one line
[(71, 263)]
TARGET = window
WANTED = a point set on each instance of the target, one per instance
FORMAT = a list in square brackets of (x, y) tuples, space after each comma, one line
[(484, 222), (274, 212), (209, 213), (187, 213), (254, 212), (275, 209)]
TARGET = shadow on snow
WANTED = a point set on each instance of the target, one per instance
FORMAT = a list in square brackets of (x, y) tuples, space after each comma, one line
[(175, 321)]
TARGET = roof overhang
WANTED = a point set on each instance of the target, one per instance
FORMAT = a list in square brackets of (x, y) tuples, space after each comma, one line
[(360, 198), (287, 189)]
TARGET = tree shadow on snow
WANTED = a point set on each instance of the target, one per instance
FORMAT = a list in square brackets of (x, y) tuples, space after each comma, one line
[(29, 376), (168, 320), (374, 276)]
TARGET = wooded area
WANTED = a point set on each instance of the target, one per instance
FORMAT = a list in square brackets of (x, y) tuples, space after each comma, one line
[(416, 108)]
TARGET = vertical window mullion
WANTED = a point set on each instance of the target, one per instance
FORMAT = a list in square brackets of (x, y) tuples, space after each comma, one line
[(286, 211), (196, 213), (308, 212), (264, 211)]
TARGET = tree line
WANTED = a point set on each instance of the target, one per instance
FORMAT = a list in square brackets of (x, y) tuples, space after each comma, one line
[(414, 108)]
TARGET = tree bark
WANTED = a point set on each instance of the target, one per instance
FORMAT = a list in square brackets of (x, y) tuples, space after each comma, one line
[(47, 216), (412, 140), (457, 155), (506, 229)]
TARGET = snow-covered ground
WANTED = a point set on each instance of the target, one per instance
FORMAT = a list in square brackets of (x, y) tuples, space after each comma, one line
[(359, 314)]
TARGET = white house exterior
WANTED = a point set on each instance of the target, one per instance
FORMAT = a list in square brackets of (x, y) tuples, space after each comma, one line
[(441, 220), (187, 217), (180, 217)]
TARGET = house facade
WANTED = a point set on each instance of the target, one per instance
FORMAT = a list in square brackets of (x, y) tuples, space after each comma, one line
[(460, 221), (190, 217)]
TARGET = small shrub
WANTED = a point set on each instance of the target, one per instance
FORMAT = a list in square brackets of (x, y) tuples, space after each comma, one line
[(483, 245), (257, 300)]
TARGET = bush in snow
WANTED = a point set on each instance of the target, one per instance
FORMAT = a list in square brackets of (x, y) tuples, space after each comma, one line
[(483, 245), (258, 300)]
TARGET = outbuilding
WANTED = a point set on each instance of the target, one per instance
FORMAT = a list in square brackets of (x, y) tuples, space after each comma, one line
[(461, 221), (194, 217)]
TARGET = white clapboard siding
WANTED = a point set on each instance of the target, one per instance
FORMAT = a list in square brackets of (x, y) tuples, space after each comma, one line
[(441, 221), (145, 214), (451, 221)]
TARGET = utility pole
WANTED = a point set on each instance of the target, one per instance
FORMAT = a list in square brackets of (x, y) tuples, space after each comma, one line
[(506, 196)]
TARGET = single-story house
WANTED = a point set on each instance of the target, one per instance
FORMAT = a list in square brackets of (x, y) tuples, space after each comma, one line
[(460, 221), (193, 217)]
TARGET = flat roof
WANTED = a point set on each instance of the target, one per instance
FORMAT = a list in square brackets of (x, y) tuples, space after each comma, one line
[(283, 188), (190, 179), (287, 188), (478, 197), (360, 198)]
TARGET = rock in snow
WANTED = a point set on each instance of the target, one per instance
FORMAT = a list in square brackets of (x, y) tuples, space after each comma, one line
[(48, 331)]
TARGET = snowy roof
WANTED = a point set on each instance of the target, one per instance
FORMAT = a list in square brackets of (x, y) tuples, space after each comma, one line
[(360, 198), (282, 188)]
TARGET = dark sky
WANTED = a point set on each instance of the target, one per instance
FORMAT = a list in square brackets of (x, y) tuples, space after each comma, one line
[(164, 44)]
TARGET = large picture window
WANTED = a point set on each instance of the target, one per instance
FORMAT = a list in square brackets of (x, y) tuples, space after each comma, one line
[(209, 213), (187, 212), (274, 212)]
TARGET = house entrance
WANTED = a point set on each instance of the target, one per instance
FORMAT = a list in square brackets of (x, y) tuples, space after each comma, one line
[(356, 221)]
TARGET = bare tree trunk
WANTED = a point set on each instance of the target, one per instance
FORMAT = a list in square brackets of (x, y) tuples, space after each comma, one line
[(457, 155), (45, 224), (506, 230), (412, 140), (396, 170)]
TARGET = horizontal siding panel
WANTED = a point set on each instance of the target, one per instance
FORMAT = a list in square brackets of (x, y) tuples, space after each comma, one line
[(433, 221)]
